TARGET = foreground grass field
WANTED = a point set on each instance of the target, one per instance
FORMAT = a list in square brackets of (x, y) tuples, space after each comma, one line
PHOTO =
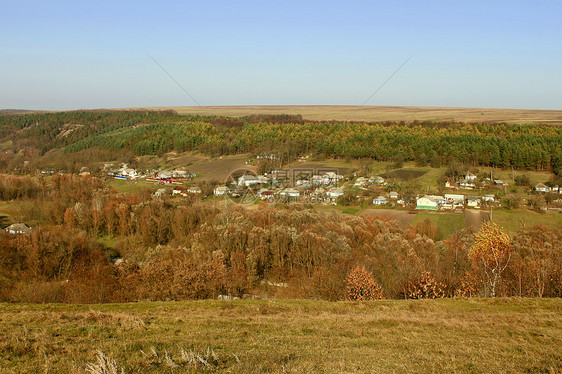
[(406, 336)]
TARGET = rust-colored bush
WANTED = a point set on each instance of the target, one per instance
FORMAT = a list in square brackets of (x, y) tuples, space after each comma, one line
[(361, 285), (426, 288)]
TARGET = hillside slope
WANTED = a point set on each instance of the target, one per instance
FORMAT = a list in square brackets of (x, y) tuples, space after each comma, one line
[(404, 336), (379, 113)]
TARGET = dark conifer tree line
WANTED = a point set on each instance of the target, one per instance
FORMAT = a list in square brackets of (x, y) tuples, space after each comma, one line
[(152, 133)]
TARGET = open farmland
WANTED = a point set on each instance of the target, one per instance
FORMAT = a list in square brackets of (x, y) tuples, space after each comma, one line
[(378, 113), (218, 169), (424, 336)]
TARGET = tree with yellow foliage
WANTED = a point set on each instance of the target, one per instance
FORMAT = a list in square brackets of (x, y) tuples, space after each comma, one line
[(492, 251)]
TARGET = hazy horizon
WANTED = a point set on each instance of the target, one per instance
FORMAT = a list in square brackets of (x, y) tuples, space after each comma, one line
[(63, 55)]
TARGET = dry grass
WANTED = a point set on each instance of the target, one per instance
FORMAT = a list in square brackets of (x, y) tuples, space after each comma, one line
[(218, 169), (503, 335), (380, 113)]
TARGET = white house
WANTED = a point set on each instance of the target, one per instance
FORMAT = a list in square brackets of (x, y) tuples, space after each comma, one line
[(469, 176), (381, 200), (467, 184), (540, 187), (265, 193), (220, 190), (180, 174), (489, 197), (194, 189), (179, 191), (473, 202), (360, 182), (248, 180), (376, 180), (165, 174), (453, 198), (393, 195), (331, 177), (429, 202), (290, 192), (335, 192)]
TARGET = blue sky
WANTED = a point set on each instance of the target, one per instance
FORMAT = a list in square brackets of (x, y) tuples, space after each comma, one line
[(71, 55)]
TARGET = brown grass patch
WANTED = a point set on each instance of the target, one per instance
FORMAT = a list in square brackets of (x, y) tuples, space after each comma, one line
[(404, 174), (380, 113), (464, 335)]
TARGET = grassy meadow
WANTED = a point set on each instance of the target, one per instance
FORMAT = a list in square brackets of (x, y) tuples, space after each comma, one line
[(405, 336)]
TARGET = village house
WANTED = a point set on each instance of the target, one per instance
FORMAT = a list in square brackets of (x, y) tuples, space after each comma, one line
[(316, 180), (469, 176), (467, 184), (429, 202), (334, 193), (165, 174), (360, 182), (248, 180), (179, 191), (237, 192), (126, 173), (290, 192), (489, 198), (393, 195), (541, 187), (220, 190), (194, 189), (320, 191), (331, 178), (180, 174), (265, 194), (381, 200), (161, 192), (473, 202), (305, 183), (18, 228), (454, 199), (376, 180)]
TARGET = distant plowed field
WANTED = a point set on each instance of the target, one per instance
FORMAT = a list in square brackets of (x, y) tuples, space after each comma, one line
[(379, 113)]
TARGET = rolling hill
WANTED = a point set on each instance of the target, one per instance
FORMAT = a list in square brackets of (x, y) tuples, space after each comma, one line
[(379, 113)]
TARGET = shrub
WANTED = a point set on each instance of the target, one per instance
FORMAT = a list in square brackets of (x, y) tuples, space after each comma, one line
[(361, 286), (426, 288)]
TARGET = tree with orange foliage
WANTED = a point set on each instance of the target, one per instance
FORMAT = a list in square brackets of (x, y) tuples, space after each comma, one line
[(468, 287), (427, 288), (492, 251), (361, 285)]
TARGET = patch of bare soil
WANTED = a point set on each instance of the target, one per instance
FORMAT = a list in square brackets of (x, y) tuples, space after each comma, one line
[(219, 169), (475, 218)]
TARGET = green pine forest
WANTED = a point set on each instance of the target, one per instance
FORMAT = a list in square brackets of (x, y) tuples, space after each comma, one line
[(138, 133)]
